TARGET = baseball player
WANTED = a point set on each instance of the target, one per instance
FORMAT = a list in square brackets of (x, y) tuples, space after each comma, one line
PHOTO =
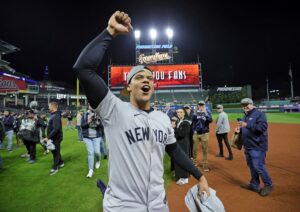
[(138, 135)]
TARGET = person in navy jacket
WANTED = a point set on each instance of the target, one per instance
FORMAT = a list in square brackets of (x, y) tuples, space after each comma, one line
[(254, 131), (200, 125)]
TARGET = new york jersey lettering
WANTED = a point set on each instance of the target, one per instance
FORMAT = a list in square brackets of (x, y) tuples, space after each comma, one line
[(143, 134)]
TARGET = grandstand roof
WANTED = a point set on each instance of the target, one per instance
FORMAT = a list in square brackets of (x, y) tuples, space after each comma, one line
[(6, 48), (4, 63)]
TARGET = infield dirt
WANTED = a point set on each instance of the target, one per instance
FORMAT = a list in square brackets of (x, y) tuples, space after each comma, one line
[(283, 159)]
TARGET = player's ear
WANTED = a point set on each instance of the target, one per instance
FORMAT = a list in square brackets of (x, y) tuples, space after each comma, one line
[(155, 84), (128, 88)]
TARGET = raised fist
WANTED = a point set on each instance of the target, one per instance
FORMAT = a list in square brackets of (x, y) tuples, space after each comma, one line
[(119, 23)]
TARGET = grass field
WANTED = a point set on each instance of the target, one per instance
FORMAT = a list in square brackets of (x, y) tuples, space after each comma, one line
[(289, 118), (27, 187)]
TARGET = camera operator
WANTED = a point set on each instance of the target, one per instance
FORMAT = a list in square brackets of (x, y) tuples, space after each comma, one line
[(92, 132)]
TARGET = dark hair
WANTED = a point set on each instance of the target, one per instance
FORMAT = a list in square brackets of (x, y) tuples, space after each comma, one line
[(184, 111)]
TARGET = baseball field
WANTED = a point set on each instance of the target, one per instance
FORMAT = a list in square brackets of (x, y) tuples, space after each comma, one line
[(27, 187), (226, 176)]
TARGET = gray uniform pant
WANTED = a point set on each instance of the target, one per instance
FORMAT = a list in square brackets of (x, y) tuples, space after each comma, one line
[(114, 204)]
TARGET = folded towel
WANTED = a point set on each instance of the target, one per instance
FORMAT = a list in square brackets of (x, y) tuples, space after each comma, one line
[(205, 203)]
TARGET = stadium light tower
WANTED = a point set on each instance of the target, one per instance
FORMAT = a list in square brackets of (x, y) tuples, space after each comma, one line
[(137, 35), (170, 34), (153, 35)]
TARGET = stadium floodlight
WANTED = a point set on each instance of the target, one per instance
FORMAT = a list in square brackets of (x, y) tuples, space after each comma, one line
[(169, 32), (137, 34), (153, 34)]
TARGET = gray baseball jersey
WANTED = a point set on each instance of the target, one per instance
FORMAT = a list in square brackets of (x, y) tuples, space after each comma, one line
[(137, 141)]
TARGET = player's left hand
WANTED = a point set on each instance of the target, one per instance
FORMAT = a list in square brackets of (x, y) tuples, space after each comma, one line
[(203, 186)]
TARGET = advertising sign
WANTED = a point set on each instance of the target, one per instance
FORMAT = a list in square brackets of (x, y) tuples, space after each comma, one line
[(165, 76), (9, 84)]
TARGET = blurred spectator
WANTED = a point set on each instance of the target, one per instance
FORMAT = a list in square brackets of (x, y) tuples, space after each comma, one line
[(222, 130), (42, 123), (208, 104), (201, 120), (69, 124), (29, 133), (2, 133), (78, 125), (170, 112), (182, 134), (8, 122), (189, 116), (92, 136), (17, 124), (55, 133)]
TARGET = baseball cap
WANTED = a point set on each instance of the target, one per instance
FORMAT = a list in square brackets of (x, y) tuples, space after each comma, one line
[(219, 106), (187, 106), (135, 70), (246, 101), (201, 102)]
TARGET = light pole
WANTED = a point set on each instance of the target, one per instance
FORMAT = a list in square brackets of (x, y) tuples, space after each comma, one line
[(170, 34), (153, 35), (292, 88), (137, 35), (268, 96)]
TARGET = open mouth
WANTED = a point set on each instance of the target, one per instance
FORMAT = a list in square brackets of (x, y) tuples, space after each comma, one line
[(146, 88)]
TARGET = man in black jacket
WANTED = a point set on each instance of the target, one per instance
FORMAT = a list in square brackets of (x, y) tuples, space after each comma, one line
[(54, 132)]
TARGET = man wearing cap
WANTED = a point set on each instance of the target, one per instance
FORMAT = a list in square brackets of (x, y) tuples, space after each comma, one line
[(138, 135), (254, 130), (200, 124), (222, 130)]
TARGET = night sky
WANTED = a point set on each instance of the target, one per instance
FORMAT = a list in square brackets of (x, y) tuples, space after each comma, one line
[(238, 42)]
